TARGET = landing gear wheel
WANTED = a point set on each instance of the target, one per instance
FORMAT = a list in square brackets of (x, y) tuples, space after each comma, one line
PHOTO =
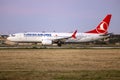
[(59, 43)]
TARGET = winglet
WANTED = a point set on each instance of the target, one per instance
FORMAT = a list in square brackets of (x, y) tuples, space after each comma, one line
[(74, 34)]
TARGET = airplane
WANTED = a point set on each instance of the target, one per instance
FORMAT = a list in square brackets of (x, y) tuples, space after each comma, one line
[(48, 38)]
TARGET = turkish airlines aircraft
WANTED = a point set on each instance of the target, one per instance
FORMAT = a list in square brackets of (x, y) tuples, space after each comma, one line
[(46, 38)]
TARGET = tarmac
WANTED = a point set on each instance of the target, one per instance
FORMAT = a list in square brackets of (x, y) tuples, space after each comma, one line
[(55, 47)]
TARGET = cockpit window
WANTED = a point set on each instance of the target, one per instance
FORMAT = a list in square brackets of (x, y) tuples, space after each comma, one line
[(12, 35)]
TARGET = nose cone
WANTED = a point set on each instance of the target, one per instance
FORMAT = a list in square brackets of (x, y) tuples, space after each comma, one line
[(8, 38)]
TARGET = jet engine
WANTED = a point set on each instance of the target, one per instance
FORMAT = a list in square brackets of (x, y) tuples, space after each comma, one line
[(47, 42)]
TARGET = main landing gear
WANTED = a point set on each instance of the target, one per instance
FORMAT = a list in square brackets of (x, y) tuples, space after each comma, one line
[(59, 43)]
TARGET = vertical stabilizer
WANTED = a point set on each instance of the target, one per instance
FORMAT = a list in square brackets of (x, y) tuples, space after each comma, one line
[(102, 27)]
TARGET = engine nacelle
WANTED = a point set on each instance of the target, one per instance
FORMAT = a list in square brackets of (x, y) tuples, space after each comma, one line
[(47, 42)]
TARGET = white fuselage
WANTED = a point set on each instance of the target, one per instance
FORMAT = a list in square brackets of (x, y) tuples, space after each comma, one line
[(36, 36), (41, 37)]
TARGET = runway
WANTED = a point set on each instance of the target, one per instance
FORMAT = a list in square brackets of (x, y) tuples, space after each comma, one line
[(55, 47)]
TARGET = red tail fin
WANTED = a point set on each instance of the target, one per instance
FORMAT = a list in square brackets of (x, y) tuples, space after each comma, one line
[(103, 26)]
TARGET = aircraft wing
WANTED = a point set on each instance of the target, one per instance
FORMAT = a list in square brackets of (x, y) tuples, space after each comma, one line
[(65, 38)]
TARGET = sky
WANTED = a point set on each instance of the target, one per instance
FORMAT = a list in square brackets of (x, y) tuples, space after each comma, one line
[(57, 15)]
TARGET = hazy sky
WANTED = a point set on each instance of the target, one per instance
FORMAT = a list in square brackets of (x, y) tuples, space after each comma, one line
[(57, 15)]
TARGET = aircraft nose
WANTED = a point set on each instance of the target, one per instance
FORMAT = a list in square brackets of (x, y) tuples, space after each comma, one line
[(9, 38)]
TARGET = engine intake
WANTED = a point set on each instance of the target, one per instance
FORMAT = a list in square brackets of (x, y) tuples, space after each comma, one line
[(47, 42)]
